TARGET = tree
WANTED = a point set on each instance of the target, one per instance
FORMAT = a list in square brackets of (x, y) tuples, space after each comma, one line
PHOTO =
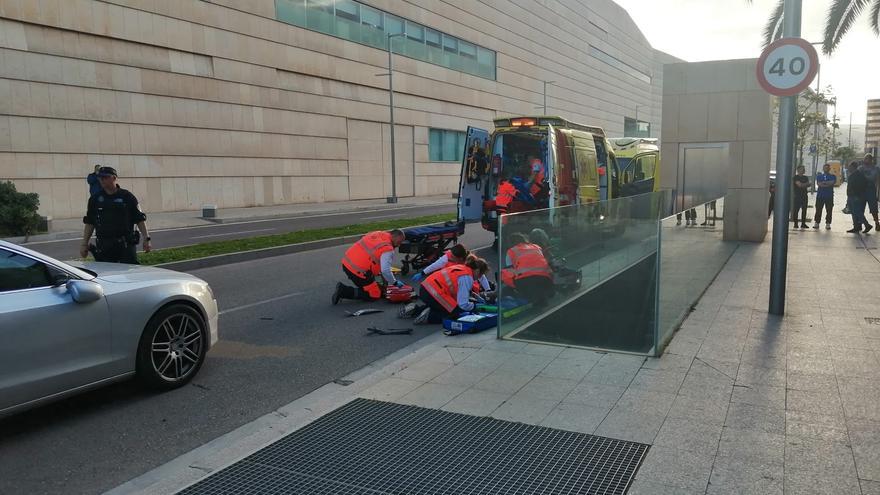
[(18, 211), (811, 115), (846, 154), (841, 16)]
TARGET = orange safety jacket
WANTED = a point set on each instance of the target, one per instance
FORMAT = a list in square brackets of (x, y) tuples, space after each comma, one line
[(539, 177), (506, 194), (527, 260), (363, 256), (477, 287), (443, 285)]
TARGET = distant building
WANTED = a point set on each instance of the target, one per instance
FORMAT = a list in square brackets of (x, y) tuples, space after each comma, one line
[(872, 126), (263, 102)]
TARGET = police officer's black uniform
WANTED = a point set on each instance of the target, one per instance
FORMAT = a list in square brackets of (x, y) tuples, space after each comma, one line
[(114, 217)]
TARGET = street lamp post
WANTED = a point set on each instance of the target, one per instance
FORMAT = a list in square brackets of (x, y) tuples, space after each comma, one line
[(545, 94), (390, 74), (816, 127)]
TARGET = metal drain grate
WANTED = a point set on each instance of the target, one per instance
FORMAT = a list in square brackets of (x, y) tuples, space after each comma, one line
[(372, 447)]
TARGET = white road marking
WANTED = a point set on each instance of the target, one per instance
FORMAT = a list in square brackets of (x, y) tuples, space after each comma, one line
[(251, 305), (230, 233)]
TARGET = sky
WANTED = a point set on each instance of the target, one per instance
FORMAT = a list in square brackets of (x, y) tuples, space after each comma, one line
[(698, 30)]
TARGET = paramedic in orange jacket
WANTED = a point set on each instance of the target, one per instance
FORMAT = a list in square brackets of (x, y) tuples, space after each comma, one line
[(454, 256), (527, 271), (446, 293), (366, 259)]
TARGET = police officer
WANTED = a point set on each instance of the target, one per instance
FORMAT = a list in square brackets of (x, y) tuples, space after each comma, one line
[(113, 213)]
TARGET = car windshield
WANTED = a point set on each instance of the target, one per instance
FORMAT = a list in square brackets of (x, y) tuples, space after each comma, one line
[(79, 272)]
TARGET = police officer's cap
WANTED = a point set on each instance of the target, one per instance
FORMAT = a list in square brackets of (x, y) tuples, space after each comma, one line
[(107, 172)]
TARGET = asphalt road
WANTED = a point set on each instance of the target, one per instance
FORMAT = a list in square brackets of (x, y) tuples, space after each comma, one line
[(280, 339), (69, 248)]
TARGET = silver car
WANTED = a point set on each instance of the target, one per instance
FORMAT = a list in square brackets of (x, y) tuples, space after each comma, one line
[(69, 327)]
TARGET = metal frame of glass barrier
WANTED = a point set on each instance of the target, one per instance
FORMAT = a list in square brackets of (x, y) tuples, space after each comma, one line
[(625, 274), (602, 294)]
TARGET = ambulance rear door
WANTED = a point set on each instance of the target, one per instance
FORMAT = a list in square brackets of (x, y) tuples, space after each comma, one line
[(475, 175)]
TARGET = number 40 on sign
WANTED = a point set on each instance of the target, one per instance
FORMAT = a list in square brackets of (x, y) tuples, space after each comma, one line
[(787, 66)]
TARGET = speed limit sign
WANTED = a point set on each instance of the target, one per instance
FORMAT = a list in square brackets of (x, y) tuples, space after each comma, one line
[(787, 66)]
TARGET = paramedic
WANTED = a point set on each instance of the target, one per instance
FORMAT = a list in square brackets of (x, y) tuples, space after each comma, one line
[(455, 256), (446, 293), (527, 270), (366, 259), (539, 188)]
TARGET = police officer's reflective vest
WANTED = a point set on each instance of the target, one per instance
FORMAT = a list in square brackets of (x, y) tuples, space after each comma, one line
[(443, 285), (527, 260), (363, 256)]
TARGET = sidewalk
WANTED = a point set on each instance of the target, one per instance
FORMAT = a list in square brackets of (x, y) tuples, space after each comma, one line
[(741, 402), (69, 228)]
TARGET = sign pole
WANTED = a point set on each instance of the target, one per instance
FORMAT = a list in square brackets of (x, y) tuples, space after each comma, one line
[(791, 28)]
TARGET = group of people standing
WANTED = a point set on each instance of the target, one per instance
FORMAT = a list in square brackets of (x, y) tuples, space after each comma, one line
[(454, 284), (863, 184)]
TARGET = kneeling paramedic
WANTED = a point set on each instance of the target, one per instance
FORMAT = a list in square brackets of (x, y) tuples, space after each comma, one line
[(112, 213), (454, 256), (446, 293), (527, 271), (366, 259)]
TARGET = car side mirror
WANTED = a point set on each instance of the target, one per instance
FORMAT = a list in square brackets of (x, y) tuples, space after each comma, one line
[(60, 279), (85, 291)]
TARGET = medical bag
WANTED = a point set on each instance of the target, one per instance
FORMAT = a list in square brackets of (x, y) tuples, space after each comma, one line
[(472, 323), (399, 294)]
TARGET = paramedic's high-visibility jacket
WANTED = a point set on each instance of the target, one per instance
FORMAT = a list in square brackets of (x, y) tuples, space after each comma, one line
[(506, 194), (538, 168), (363, 256), (526, 260), (443, 285)]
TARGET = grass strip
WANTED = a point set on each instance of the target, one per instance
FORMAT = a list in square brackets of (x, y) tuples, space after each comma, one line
[(237, 245)]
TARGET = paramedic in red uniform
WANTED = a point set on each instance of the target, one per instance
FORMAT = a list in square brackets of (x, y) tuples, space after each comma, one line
[(527, 270), (366, 259), (455, 256), (446, 293), (539, 189)]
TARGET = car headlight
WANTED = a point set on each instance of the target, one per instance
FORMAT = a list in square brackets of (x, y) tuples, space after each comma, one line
[(210, 292)]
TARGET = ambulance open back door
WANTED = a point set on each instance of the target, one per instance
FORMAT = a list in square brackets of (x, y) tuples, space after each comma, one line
[(474, 175)]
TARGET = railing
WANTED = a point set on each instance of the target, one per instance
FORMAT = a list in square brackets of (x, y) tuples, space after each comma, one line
[(624, 272)]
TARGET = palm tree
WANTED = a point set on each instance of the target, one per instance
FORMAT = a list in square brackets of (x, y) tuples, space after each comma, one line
[(841, 16)]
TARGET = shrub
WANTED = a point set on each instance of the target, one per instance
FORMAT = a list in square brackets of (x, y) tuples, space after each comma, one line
[(18, 211)]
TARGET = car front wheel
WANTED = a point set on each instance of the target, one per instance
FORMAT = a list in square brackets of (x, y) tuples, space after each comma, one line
[(172, 347)]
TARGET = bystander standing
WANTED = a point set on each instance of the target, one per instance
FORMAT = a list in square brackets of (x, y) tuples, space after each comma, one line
[(799, 198), (824, 196)]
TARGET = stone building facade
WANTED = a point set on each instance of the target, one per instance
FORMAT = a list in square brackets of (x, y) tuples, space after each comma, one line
[(262, 102)]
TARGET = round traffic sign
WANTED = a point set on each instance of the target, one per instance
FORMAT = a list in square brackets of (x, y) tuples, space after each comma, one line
[(787, 66)]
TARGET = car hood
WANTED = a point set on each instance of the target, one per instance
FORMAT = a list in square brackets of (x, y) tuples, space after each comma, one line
[(122, 273)]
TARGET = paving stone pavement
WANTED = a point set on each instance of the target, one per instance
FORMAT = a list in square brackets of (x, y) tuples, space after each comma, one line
[(741, 402)]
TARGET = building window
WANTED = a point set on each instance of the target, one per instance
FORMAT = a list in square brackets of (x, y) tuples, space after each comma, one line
[(354, 21), (634, 128), (445, 146), (619, 65)]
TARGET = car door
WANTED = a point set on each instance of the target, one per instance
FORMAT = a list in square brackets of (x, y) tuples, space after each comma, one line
[(639, 175), (50, 343)]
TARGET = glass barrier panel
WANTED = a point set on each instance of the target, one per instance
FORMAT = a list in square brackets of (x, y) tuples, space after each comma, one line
[(692, 253), (600, 289)]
